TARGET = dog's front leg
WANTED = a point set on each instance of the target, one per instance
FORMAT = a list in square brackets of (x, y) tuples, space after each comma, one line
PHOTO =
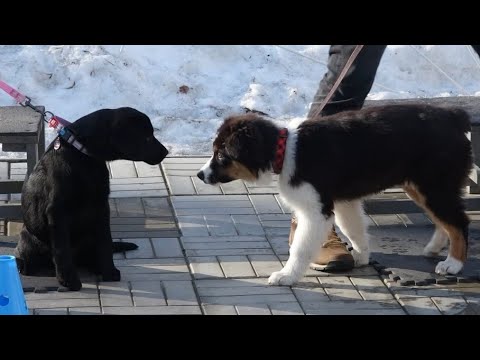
[(103, 246), (312, 230), (59, 236)]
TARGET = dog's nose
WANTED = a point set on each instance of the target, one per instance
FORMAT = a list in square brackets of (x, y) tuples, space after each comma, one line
[(201, 175)]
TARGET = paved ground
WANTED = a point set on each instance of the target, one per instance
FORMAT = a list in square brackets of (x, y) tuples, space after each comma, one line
[(209, 250)]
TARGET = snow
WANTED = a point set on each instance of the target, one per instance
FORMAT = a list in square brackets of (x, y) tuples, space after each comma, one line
[(188, 89)]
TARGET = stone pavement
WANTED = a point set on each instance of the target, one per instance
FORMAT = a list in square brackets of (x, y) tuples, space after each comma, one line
[(210, 250)]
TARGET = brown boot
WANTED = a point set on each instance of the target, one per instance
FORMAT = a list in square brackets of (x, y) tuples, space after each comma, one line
[(333, 256)]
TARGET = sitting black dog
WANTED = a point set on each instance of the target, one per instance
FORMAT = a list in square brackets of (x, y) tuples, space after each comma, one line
[(65, 205)]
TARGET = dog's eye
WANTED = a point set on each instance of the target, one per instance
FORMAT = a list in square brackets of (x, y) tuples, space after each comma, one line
[(220, 157)]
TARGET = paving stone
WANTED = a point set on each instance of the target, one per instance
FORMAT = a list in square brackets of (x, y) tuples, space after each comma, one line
[(243, 290), (152, 310), (144, 251), (147, 293), (384, 220), (220, 225), (138, 193), (122, 169), (220, 283), (450, 305), (248, 299), (180, 293), (417, 219), (225, 245), (53, 311), (258, 309), (340, 288), (371, 288), (145, 234), (93, 310), (265, 265), (180, 185), (411, 293), (157, 207), (193, 225), (247, 225), (62, 303), (176, 160), (353, 308), (234, 187), (204, 189), (167, 247), (130, 207), (310, 291), (153, 269), (146, 170), (3, 170), (236, 266), (420, 306), (142, 224), (286, 308), (219, 310), (115, 294), (113, 208), (88, 291), (279, 244), (205, 267), (265, 204), (156, 276)]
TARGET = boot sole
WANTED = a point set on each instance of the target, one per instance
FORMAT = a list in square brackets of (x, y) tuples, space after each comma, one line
[(333, 266)]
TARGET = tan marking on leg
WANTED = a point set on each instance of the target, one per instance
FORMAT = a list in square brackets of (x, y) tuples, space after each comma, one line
[(239, 171), (458, 248)]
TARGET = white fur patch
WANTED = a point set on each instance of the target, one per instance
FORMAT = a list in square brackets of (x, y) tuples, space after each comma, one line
[(313, 227), (350, 218), (207, 171), (449, 266), (437, 243)]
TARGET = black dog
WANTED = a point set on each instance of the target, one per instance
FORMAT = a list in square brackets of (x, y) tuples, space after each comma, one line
[(65, 205)]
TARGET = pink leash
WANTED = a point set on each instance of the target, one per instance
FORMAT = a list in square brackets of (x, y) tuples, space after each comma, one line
[(53, 121)]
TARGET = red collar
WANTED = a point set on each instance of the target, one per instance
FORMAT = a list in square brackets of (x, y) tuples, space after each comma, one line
[(280, 151)]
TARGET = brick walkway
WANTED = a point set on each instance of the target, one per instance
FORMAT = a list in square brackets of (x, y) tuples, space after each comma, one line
[(210, 250)]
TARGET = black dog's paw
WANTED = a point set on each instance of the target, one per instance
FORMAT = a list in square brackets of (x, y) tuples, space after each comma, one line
[(22, 268), (72, 282), (111, 275)]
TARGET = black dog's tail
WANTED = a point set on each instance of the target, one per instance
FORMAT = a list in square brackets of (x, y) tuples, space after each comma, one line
[(123, 246)]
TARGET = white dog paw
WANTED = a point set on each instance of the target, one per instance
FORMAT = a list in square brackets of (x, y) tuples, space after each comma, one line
[(281, 278), (449, 266), (361, 258)]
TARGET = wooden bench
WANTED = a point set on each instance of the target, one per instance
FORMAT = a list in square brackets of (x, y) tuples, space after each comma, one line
[(398, 202), (21, 130)]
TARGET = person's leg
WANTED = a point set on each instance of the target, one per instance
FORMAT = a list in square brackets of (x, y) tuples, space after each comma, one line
[(350, 95), (356, 84)]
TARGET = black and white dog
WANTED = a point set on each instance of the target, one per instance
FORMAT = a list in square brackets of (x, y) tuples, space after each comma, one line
[(331, 163)]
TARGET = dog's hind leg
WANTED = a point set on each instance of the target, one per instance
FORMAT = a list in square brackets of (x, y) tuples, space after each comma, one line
[(315, 219), (350, 218), (446, 209)]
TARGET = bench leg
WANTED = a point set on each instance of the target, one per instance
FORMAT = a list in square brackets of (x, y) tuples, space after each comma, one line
[(32, 158)]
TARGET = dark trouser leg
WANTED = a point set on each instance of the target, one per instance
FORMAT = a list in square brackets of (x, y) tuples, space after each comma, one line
[(356, 84)]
